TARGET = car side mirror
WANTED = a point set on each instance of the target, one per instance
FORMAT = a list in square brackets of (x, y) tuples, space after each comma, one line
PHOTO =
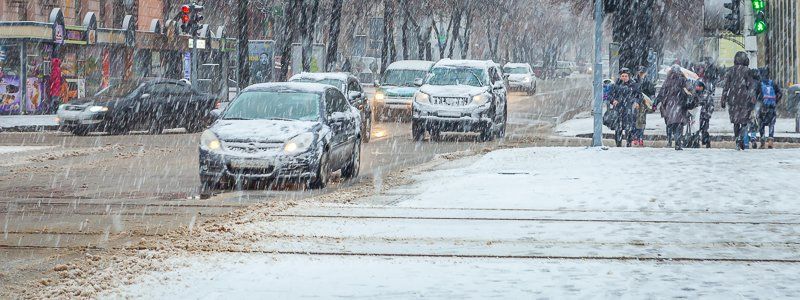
[(353, 95), (377, 83), (418, 81), (498, 85)]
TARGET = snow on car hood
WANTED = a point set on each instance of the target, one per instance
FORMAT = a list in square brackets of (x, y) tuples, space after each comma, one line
[(399, 91), (452, 90), (261, 130)]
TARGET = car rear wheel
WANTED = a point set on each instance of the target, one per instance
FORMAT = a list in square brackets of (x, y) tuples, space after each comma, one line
[(207, 187), (323, 173), (352, 169), (366, 131), (417, 131), (501, 132)]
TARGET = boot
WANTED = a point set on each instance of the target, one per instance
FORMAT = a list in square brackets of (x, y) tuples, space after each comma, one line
[(771, 143), (641, 143)]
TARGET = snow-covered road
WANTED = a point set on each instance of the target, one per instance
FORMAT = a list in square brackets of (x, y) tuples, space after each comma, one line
[(524, 223)]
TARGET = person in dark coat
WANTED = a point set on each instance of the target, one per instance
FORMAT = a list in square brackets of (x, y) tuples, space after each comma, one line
[(671, 100), (705, 99), (739, 95), (648, 88), (625, 98)]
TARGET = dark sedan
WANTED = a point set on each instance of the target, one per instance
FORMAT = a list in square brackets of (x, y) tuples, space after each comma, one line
[(281, 132), (151, 105)]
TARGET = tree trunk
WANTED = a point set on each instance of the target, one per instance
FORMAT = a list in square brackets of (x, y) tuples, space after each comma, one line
[(467, 33), (291, 29), (335, 27), (387, 48), (243, 64), (456, 27), (404, 38), (309, 20), (633, 32)]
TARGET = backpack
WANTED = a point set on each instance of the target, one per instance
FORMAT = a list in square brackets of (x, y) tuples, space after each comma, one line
[(768, 93), (610, 119)]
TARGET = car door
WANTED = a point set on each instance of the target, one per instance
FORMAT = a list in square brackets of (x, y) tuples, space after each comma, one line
[(500, 94), (337, 124)]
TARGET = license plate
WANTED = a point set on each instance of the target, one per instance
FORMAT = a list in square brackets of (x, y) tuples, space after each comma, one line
[(452, 114), (251, 163)]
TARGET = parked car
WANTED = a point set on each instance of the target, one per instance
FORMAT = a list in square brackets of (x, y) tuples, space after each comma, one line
[(461, 96), (396, 89), (565, 68), (351, 88), (282, 132), (151, 105), (520, 77)]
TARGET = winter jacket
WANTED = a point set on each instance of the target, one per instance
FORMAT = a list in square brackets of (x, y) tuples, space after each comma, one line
[(647, 87), (644, 109), (706, 102), (626, 93), (739, 90), (670, 101)]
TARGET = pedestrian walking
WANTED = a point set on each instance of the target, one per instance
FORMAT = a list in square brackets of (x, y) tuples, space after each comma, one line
[(739, 95), (675, 101), (705, 100), (625, 99), (768, 95), (648, 89)]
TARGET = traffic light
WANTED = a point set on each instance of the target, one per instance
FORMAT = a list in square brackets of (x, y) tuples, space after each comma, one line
[(733, 21), (190, 18), (759, 11)]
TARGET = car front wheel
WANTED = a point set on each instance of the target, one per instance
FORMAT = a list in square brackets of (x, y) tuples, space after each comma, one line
[(417, 131), (366, 131), (352, 168), (323, 173)]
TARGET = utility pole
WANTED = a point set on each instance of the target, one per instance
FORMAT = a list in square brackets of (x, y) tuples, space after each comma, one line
[(242, 42), (597, 137)]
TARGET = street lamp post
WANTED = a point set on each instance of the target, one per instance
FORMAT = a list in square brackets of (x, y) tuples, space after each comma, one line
[(597, 137)]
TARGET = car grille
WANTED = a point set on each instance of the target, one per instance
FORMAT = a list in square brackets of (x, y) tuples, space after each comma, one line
[(251, 147), (452, 101), (251, 171)]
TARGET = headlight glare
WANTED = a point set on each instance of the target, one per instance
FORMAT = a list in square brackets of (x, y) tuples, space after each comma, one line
[(380, 96), (480, 99), (299, 143), (422, 97), (526, 79), (209, 140), (96, 108)]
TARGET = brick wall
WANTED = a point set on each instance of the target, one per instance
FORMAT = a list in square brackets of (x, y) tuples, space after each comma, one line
[(149, 10)]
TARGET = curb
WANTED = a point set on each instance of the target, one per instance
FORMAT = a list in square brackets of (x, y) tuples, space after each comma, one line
[(714, 138), (30, 128)]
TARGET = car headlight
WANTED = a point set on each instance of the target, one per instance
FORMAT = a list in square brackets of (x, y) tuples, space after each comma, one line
[(61, 106), (480, 99), (526, 79), (422, 97), (299, 143), (379, 96), (209, 141), (96, 108)]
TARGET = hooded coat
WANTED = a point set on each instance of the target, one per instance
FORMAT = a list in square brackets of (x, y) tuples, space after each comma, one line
[(739, 90), (670, 99)]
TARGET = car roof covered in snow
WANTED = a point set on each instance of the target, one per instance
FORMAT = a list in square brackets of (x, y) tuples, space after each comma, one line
[(516, 65), (321, 76), (300, 87), (419, 65), (478, 64)]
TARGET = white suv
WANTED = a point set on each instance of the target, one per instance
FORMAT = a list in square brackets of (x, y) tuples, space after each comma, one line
[(461, 96)]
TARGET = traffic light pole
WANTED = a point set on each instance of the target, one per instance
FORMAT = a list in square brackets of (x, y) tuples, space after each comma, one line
[(597, 137), (193, 73)]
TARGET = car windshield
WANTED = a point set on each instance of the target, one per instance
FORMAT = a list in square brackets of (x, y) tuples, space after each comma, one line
[(456, 76), (329, 81), (118, 90), (261, 105), (398, 77), (516, 70)]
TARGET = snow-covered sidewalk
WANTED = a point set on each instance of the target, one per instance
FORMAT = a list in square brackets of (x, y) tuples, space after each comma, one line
[(583, 124), (521, 224), (28, 122)]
